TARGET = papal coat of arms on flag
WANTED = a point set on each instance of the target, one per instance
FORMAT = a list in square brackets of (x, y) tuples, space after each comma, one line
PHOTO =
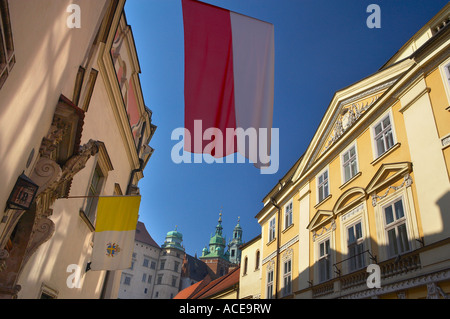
[(112, 249), (115, 229)]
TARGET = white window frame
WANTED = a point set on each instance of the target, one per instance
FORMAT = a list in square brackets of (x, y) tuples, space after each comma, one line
[(343, 162), (411, 220), (269, 284), (287, 277), (348, 219), (445, 73), (320, 258), (394, 226), (359, 257), (272, 229), (288, 214), (374, 135), (319, 184)]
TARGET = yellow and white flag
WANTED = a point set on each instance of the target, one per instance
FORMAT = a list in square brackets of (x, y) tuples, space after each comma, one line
[(115, 230)]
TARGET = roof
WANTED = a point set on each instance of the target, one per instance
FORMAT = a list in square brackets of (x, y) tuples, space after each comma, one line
[(143, 236), (207, 288), (185, 293), (197, 269)]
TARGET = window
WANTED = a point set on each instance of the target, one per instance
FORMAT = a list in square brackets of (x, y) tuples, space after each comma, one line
[(257, 260), (272, 229), (245, 265), (447, 73), (144, 277), (95, 188), (288, 215), (7, 57), (174, 281), (162, 264), (383, 136), (324, 261), (153, 265), (126, 279), (322, 186), (349, 164), (145, 263), (270, 284), (159, 280), (149, 280), (287, 277), (395, 226), (355, 244), (175, 268)]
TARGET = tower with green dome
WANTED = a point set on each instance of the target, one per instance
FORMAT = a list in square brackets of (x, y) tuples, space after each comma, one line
[(235, 243), (168, 275), (173, 240), (216, 255)]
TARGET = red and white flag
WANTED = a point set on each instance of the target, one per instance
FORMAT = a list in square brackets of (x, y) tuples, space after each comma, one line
[(229, 75)]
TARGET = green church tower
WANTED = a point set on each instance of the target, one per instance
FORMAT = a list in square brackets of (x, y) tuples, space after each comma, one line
[(215, 256)]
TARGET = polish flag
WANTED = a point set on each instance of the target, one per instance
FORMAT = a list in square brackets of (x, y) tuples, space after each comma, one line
[(229, 75)]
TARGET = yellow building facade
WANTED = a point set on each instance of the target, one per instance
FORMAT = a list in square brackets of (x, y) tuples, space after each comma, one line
[(372, 188)]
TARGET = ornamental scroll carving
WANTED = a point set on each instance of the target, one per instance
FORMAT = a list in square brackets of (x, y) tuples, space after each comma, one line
[(407, 181), (348, 117)]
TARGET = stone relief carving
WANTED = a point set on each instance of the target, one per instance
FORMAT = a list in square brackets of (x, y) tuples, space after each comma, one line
[(407, 181), (348, 116)]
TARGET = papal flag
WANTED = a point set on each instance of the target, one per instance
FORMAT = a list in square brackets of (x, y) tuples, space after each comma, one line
[(229, 74), (115, 229)]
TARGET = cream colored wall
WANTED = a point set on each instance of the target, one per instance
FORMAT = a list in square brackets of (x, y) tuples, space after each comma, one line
[(58, 53), (48, 54), (250, 283), (49, 263), (430, 172)]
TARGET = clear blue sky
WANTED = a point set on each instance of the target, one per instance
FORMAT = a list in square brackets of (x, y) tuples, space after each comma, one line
[(320, 47)]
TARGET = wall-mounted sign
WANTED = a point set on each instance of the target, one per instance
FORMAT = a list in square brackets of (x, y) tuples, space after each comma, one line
[(23, 193)]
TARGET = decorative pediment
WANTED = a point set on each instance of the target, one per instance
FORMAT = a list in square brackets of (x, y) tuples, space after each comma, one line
[(349, 199), (345, 119), (321, 218), (388, 174), (346, 108)]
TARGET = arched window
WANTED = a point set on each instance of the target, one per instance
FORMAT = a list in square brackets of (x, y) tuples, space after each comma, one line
[(245, 265), (257, 260)]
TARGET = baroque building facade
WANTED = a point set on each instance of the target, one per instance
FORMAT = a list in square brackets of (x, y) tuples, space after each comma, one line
[(77, 127), (372, 188)]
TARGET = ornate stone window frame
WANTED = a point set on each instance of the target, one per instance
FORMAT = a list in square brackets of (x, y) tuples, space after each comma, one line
[(444, 69), (102, 163), (405, 193), (347, 219), (390, 114)]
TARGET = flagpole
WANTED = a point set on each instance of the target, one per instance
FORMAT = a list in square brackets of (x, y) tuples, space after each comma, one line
[(93, 196)]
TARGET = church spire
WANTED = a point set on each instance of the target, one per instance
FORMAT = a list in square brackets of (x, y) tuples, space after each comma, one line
[(219, 227)]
